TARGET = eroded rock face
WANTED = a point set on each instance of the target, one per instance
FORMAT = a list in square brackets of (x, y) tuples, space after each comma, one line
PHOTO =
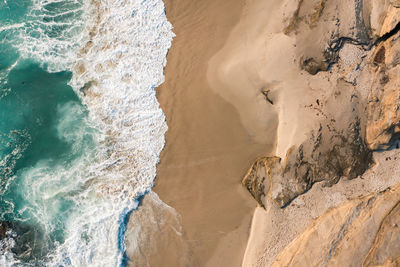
[(348, 54), (361, 232), (395, 3), (336, 149), (322, 28), (360, 114), (258, 178), (326, 157), (384, 98)]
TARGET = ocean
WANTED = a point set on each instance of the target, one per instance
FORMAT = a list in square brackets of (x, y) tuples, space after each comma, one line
[(80, 126)]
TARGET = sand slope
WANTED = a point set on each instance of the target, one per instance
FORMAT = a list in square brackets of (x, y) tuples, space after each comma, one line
[(207, 149)]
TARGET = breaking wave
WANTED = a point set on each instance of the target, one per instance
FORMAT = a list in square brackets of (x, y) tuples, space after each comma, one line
[(74, 204)]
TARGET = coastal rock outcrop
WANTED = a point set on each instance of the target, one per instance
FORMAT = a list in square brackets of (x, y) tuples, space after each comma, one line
[(321, 29), (354, 45), (259, 176), (336, 149), (348, 54), (360, 232), (382, 128)]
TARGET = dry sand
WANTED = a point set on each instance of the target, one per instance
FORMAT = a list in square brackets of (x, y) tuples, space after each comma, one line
[(207, 150)]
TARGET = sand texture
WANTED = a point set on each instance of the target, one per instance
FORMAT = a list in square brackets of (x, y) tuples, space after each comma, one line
[(290, 105), (207, 150)]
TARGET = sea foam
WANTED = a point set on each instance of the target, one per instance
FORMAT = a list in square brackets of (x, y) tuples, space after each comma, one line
[(116, 50), (115, 75), (118, 69)]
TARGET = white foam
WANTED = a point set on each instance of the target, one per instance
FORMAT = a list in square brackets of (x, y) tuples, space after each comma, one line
[(123, 62), (12, 27), (52, 35), (7, 258), (124, 43)]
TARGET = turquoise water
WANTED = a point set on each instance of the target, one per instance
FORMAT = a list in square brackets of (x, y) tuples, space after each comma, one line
[(32, 112), (43, 132), (77, 148)]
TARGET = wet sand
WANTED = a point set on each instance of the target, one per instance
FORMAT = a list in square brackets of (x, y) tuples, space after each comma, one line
[(207, 148)]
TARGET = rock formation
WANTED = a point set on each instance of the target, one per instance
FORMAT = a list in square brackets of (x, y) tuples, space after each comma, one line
[(361, 232), (349, 53), (259, 176), (358, 115), (336, 149), (383, 101)]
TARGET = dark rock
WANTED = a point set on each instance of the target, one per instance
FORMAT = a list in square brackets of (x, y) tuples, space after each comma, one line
[(27, 240), (258, 176), (312, 66), (380, 56), (336, 149)]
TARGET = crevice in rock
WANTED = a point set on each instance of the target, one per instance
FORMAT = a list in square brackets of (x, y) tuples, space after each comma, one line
[(342, 232), (368, 259), (331, 54), (387, 35), (380, 56), (362, 33), (394, 142)]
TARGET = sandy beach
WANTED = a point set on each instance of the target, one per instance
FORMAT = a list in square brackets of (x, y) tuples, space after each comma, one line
[(207, 150), (283, 81)]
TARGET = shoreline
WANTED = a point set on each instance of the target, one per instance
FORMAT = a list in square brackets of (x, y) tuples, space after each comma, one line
[(207, 149), (254, 81)]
